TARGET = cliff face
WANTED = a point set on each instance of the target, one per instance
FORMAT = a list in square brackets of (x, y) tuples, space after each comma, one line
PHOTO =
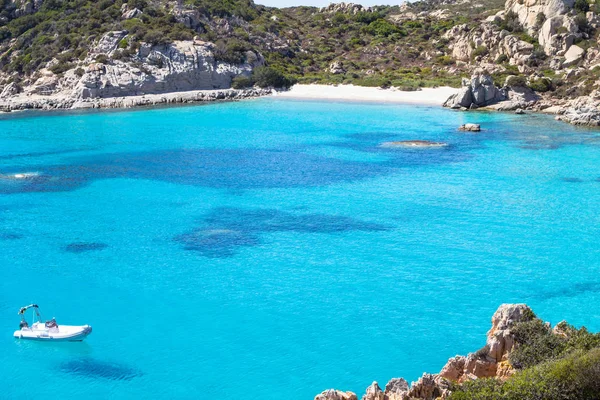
[(490, 361), (175, 67)]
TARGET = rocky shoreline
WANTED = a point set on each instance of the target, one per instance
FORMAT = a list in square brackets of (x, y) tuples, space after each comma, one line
[(489, 362), (21, 103), (479, 92)]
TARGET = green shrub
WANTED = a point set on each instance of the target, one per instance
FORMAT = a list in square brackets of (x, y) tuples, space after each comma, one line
[(535, 343), (581, 6), (502, 58), (574, 377), (242, 82), (61, 67), (445, 60), (383, 28), (232, 51), (102, 58), (541, 85), (268, 77), (480, 51)]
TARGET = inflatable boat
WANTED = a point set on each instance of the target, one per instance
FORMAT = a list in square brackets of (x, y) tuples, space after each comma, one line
[(49, 330)]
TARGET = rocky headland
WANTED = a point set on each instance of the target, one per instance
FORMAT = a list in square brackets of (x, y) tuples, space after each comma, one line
[(514, 328)]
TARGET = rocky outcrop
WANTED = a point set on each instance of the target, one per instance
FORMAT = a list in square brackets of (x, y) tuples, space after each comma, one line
[(466, 41), (558, 34), (479, 91), (347, 8), (374, 392), (33, 102), (583, 110), (336, 68), (429, 387), (181, 66), (491, 361), (528, 10), (333, 394), (396, 389)]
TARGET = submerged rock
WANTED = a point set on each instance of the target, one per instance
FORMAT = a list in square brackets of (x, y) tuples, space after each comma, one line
[(414, 144)]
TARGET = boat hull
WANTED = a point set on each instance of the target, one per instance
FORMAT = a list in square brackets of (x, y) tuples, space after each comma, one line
[(63, 334)]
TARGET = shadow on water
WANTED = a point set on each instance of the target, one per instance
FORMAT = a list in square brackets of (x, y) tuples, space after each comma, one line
[(10, 236), (227, 168), (226, 229), (574, 290), (96, 369), (82, 247)]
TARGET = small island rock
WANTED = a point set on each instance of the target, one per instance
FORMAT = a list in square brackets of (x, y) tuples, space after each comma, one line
[(470, 127)]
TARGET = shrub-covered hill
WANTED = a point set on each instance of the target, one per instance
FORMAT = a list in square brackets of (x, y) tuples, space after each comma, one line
[(424, 43), (379, 46)]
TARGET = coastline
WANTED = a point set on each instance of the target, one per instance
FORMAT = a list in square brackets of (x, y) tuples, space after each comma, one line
[(62, 101), (426, 96), (65, 102)]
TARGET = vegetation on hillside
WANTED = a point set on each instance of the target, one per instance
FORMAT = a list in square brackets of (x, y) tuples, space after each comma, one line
[(564, 365)]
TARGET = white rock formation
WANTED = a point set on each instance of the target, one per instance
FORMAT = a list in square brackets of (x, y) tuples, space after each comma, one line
[(554, 41), (528, 10), (573, 56)]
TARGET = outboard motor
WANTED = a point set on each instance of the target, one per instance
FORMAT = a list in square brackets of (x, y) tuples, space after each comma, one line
[(23, 324)]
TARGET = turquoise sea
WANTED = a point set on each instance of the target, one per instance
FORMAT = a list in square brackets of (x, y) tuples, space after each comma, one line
[(272, 248)]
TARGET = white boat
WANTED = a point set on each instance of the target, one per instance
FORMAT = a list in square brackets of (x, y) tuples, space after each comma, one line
[(49, 330)]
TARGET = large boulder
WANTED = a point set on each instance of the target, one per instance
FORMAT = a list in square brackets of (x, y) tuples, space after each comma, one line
[(479, 91), (573, 56), (557, 34), (527, 10)]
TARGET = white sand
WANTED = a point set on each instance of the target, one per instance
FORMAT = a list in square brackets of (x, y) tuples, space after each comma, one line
[(429, 96)]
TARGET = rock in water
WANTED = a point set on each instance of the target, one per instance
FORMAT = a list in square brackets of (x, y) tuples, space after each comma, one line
[(470, 127)]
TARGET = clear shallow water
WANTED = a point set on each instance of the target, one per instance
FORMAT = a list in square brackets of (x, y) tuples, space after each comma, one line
[(271, 247)]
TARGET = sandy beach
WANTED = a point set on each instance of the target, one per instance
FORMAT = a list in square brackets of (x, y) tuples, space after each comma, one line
[(429, 96)]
